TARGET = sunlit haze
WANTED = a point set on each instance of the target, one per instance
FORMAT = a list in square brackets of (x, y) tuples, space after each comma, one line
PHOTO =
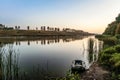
[(88, 15)]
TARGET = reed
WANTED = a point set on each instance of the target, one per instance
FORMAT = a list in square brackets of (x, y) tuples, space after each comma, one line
[(9, 68)]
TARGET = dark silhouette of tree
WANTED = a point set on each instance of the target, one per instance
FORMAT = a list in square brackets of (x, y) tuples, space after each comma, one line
[(28, 27), (41, 27), (48, 28), (55, 29), (58, 29), (16, 27)]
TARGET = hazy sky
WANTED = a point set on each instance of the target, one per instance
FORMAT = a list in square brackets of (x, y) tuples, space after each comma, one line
[(88, 15)]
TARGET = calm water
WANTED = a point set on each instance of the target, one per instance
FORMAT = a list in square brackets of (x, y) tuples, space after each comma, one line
[(51, 57)]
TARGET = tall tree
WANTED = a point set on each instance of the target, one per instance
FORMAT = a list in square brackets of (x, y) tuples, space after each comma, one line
[(16, 27), (58, 29), (48, 28), (28, 27)]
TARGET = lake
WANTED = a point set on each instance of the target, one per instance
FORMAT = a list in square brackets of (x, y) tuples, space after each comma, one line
[(45, 57)]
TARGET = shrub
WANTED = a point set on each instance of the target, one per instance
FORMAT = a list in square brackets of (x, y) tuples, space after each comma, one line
[(117, 36), (104, 59), (110, 50), (116, 59), (110, 41), (117, 48)]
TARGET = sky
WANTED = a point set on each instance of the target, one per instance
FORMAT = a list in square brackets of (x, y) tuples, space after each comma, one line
[(88, 15)]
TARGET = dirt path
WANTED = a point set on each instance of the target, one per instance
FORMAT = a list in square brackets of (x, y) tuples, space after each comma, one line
[(95, 72)]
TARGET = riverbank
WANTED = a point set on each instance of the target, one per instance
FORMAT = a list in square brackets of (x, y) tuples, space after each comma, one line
[(108, 65), (36, 33), (96, 72), (109, 57)]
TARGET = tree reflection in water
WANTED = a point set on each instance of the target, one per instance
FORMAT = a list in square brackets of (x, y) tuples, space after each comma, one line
[(94, 47), (91, 50)]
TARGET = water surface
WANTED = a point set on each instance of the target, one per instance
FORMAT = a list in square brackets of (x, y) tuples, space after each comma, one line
[(51, 57)]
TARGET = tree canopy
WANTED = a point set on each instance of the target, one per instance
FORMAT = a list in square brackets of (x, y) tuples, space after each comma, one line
[(114, 27)]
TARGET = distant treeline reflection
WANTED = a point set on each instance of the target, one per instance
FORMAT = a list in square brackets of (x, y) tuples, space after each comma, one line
[(38, 40)]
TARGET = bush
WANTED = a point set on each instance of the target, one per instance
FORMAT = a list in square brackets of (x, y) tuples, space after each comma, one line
[(117, 36), (109, 50), (110, 41), (117, 48), (116, 59), (104, 59)]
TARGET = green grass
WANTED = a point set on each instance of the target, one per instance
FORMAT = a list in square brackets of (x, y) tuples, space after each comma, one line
[(110, 59), (108, 40)]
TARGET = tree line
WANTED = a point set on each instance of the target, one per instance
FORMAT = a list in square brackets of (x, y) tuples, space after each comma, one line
[(42, 28)]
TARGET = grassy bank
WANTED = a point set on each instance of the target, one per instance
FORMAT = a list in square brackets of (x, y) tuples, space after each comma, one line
[(108, 40), (109, 57)]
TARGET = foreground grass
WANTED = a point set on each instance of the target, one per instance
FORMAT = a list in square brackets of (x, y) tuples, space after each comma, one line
[(70, 76)]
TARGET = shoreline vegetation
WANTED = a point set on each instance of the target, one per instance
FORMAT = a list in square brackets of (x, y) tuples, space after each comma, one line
[(109, 57)]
